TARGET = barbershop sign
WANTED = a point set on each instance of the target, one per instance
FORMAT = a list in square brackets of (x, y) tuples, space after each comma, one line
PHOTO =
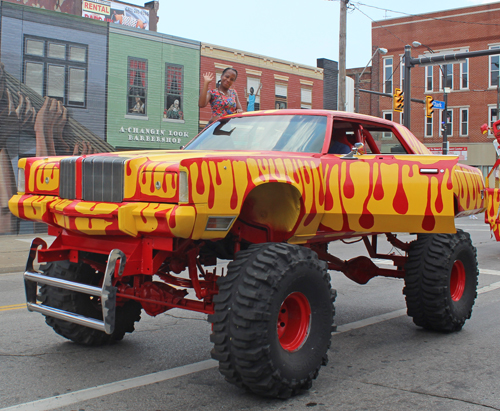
[(154, 135)]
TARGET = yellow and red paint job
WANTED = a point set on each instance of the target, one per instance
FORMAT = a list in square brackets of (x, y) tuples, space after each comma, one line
[(375, 193)]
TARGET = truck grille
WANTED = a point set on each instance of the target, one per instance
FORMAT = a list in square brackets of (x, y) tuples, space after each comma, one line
[(102, 179), (67, 175)]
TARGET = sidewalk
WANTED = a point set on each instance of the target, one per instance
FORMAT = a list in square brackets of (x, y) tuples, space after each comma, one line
[(14, 251)]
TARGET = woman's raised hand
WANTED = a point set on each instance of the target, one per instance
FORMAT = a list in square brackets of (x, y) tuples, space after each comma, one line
[(208, 77)]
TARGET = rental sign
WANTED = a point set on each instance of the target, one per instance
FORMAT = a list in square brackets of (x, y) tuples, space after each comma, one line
[(96, 7)]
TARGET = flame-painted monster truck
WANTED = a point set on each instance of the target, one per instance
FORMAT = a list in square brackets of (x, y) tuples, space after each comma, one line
[(259, 189)]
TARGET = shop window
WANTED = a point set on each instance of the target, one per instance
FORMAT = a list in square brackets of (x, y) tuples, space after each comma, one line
[(137, 86), (56, 69), (281, 95), (174, 99)]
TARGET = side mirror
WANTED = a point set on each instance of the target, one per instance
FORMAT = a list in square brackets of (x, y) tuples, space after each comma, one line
[(354, 152)]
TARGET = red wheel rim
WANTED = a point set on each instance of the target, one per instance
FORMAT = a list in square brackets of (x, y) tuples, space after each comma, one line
[(294, 320), (457, 280)]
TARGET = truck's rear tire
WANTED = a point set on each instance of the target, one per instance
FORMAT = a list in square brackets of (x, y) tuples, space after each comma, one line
[(273, 319), (441, 280), (84, 304)]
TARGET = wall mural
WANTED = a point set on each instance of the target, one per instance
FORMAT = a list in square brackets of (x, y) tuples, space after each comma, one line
[(32, 125)]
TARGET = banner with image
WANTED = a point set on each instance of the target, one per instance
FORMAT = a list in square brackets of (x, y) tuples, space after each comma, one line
[(119, 13)]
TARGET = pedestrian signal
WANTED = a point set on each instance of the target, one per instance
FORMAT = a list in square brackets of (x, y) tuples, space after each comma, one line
[(398, 100), (429, 107)]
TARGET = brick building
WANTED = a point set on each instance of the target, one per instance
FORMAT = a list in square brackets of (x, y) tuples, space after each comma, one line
[(472, 100), (283, 84)]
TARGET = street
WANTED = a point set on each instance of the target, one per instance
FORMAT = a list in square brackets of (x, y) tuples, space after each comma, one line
[(378, 360)]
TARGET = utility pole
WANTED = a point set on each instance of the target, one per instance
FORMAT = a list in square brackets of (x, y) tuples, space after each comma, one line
[(445, 111), (342, 50), (407, 88)]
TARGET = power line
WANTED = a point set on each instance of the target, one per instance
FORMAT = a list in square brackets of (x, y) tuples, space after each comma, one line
[(431, 18)]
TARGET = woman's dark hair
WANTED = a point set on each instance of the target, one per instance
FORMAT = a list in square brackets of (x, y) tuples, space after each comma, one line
[(230, 68)]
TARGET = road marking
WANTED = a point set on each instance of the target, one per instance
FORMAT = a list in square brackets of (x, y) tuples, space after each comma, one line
[(71, 398), (481, 270), (489, 272), (12, 307), (65, 400)]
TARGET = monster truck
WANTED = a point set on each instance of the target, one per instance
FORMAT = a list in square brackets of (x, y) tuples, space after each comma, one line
[(139, 230)]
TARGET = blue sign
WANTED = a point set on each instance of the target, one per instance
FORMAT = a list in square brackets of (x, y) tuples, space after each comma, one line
[(438, 104)]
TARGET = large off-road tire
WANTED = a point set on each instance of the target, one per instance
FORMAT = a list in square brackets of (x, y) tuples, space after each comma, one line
[(441, 280), (84, 304), (273, 319)]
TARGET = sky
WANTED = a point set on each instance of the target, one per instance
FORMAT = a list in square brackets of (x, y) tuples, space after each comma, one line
[(299, 31)]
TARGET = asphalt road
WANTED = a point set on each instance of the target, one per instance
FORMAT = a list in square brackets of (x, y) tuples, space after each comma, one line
[(379, 360)]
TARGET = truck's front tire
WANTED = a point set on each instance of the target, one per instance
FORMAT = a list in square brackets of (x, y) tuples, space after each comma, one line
[(441, 280), (273, 319), (84, 304)]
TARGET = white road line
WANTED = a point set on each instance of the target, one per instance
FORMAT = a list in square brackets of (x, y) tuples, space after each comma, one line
[(483, 271), (369, 321), (106, 389), (489, 272), (487, 288), (111, 388)]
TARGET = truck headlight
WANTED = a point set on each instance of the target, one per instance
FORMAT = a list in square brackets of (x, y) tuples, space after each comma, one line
[(21, 184), (183, 187)]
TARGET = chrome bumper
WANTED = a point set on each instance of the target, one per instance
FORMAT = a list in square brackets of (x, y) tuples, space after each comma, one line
[(107, 293)]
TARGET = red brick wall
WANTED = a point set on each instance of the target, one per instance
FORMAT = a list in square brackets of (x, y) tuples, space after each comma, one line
[(449, 29), (267, 92)]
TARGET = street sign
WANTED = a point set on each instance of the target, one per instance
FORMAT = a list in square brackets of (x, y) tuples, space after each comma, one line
[(438, 104)]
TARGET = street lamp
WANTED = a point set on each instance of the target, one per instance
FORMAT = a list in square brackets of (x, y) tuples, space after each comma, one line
[(445, 97), (358, 76)]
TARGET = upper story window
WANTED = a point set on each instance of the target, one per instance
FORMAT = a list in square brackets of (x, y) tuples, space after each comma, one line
[(252, 93), (174, 97), (464, 121), (448, 119), (448, 69), (56, 69), (402, 76), (464, 74), (494, 68), (428, 126), (388, 116), (306, 98), (137, 102), (429, 78), (388, 75), (281, 95)]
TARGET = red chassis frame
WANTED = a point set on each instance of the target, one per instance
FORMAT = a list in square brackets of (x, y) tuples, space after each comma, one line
[(149, 256)]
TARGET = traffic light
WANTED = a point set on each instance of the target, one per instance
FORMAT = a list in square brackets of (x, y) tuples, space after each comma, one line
[(398, 100), (429, 108)]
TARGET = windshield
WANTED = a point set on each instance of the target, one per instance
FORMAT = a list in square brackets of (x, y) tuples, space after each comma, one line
[(296, 133)]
